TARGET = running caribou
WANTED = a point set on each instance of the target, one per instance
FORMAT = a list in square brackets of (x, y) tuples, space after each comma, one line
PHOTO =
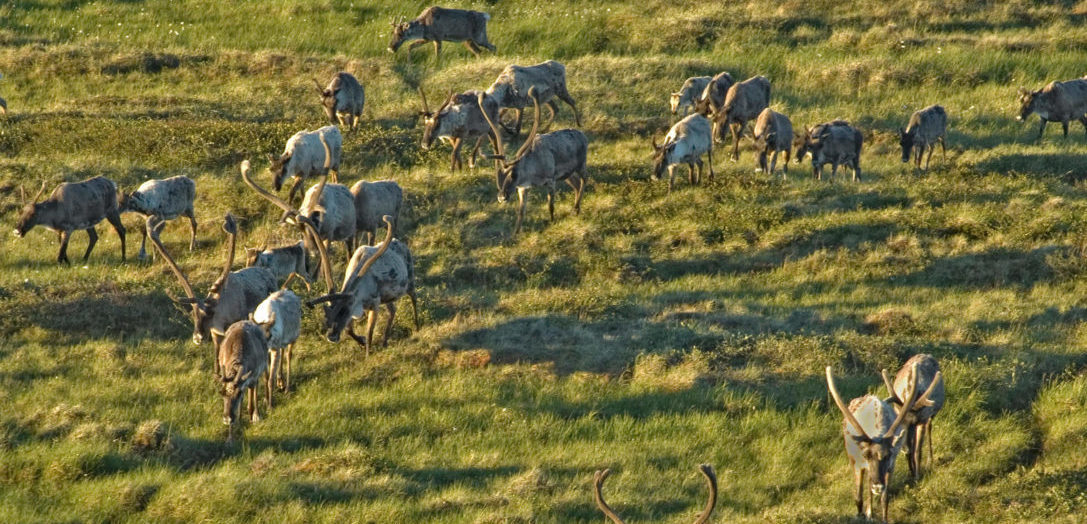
[(542, 160), (873, 438), (438, 24), (72, 206), (511, 90), (703, 517)]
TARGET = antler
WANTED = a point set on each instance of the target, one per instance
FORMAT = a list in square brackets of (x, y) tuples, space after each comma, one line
[(841, 405), (501, 153), (711, 481), (231, 229), (598, 495), (185, 286), (535, 125), (907, 404), (426, 108), (319, 88), (448, 101), (381, 250), (39, 193), (305, 223), (923, 399), (890, 386)]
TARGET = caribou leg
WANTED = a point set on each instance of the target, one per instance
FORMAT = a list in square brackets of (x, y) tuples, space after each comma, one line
[(192, 229), (520, 208), (92, 236), (455, 160), (1041, 129), (285, 386), (391, 306), (551, 203), (437, 51), (371, 319), (565, 97), (115, 221), (858, 492), (472, 47), (62, 257), (415, 44), (578, 186), (414, 308), (360, 340), (294, 188)]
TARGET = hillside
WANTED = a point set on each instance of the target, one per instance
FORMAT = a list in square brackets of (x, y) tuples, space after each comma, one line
[(649, 334)]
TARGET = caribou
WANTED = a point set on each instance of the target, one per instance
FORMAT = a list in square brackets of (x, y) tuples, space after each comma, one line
[(438, 24), (243, 359), (307, 154), (707, 471), (773, 132), (232, 297), (685, 143), (926, 127), (542, 160), (286, 262), (280, 316), (684, 100), (342, 100), (376, 275), (919, 419), (374, 200), (1057, 102), (459, 120), (165, 199), (743, 102), (872, 435), (72, 206), (511, 90)]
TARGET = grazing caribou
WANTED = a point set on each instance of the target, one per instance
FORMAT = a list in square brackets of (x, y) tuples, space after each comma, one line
[(376, 275), (307, 154), (925, 128), (835, 143), (280, 316), (438, 24), (685, 143), (684, 100), (1056, 102), (459, 120), (72, 206), (542, 160), (873, 439), (373, 201), (342, 100), (703, 517)]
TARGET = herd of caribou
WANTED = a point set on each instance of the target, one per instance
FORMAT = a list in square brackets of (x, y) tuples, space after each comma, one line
[(253, 320)]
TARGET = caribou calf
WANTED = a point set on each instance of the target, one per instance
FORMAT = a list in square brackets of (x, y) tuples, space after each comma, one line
[(703, 517), (243, 359), (438, 24), (873, 439), (285, 263), (72, 206)]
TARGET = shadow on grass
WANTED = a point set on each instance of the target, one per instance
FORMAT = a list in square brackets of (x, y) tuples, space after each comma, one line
[(103, 315), (994, 268), (1037, 164)]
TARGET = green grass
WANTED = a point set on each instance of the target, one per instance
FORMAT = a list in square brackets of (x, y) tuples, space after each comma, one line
[(649, 334)]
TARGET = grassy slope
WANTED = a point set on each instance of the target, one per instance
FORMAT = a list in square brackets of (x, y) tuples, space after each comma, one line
[(649, 334)]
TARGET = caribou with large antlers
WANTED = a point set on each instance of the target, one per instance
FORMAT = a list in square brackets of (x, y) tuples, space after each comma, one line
[(703, 517), (232, 297), (919, 418), (873, 439), (72, 206), (542, 160), (376, 275)]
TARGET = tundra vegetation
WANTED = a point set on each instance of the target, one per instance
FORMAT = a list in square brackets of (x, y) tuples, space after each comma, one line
[(647, 334)]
